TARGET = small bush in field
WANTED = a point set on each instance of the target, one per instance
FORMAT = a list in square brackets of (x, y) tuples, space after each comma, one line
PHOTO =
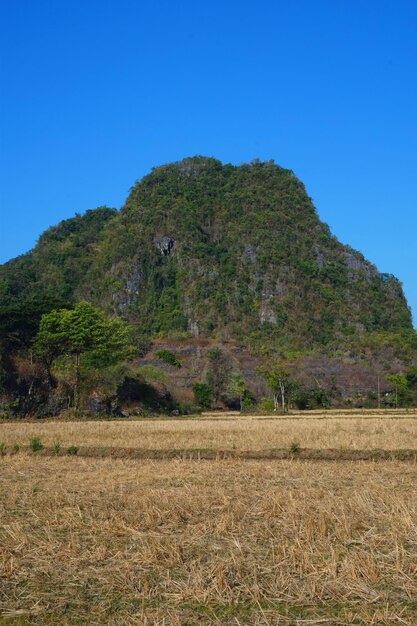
[(36, 444)]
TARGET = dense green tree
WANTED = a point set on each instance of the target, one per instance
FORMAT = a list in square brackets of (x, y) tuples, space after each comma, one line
[(203, 395), (411, 376), (82, 330), (236, 388), (400, 387), (277, 376)]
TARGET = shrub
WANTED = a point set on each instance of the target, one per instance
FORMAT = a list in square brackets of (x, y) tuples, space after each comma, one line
[(152, 374), (248, 401), (57, 447), (36, 444), (168, 357), (202, 395), (295, 447), (266, 405), (72, 450)]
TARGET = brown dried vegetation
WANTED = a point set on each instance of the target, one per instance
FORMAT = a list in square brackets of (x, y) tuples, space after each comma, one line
[(101, 541), (230, 433), (226, 541)]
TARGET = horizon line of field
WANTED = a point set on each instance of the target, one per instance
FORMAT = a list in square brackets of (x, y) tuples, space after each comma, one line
[(209, 454)]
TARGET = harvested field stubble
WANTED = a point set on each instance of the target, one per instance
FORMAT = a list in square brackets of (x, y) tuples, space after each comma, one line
[(101, 541), (246, 433)]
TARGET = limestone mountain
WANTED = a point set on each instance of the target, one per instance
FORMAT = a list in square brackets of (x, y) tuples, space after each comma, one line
[(221, 251)]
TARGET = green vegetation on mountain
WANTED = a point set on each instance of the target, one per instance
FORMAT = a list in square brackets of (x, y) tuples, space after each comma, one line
[(48, 277), (237, 252), (201, 249)]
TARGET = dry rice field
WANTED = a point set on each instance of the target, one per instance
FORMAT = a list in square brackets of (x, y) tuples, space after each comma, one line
[(180, 542), (394, 432)]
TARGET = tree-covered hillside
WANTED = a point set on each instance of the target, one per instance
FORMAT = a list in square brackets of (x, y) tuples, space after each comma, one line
[(215, 250), (237, 252), (219, 253), (48, 276)]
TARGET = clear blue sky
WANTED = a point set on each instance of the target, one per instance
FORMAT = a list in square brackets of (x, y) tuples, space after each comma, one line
[(95, 93)]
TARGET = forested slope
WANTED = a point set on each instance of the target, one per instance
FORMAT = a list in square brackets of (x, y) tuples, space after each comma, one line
[(213, 252)]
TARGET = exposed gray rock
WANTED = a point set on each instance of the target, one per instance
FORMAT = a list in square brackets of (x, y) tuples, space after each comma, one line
[(358, 267), (133, 280), (351, 261), (250, 252), (193, 328), (208, 274), (279, 288), (392, 285), (267, 314), (97, 404), (127, 286), (320, 259), (355, 263), (164, 244)]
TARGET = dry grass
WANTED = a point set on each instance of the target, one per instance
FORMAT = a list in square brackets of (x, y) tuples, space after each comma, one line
[(176, 543), (221, 542), (233, 433)]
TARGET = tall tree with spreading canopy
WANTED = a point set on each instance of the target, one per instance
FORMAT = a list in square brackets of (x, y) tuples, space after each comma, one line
[(278, 378), (83, 329)]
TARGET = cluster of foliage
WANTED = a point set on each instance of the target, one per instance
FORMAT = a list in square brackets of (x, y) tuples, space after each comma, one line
[(403, 388), (44, 280), (71, 333), (81, 330), (58, 264), (203, 395), (168, 357), (224, 383)]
